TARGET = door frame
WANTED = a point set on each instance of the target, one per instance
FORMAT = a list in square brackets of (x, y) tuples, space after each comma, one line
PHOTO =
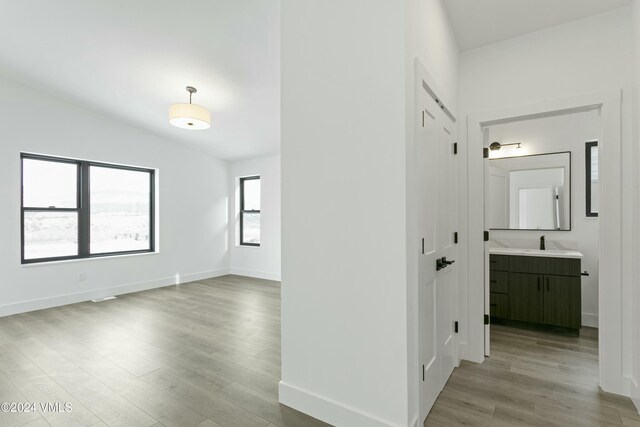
[(612, 378)]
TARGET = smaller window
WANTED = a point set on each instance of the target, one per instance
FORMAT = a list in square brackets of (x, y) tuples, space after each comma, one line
[(250, 211), (592, 179)]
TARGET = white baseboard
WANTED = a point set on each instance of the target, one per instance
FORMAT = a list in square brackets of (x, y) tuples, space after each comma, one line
[(635, 394), (590, 320), (326, 409), (463, 349), (56, 301), (255, 273), (193, 277)]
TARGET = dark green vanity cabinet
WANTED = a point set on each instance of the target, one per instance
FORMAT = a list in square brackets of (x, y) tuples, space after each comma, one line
[(540, 291)]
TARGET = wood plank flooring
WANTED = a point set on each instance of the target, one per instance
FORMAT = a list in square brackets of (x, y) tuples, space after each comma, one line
[(207, 354), (532, 379), (201, 354)]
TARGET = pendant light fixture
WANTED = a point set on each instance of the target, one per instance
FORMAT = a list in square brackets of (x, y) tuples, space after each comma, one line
[(190, 116)]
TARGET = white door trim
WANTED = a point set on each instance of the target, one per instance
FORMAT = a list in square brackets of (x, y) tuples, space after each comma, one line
[(611, 304)]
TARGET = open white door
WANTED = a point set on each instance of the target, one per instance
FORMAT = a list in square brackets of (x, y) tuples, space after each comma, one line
[(438, 278)]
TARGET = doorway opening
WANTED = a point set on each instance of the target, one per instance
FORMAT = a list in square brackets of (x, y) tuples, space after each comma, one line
[(607, 105), (541, 204)]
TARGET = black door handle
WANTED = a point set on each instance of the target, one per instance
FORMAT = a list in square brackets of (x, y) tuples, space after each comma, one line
[(444, 261), (439, 264)]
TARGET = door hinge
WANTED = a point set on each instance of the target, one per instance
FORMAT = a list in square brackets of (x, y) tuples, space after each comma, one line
[(422, 118), (423, 246), (455, 237), (455, 148), (455, 326), (486, 236), (422, 372), (486, 319), (485, 153)]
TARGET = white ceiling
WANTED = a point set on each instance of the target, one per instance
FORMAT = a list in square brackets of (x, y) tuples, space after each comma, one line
[(480, 22), (133, 58)]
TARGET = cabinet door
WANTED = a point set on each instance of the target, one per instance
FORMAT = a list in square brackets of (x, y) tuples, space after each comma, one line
[(526, 297), (562, 301)]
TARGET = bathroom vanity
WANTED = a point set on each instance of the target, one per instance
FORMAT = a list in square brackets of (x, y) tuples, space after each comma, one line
[(536, 288)]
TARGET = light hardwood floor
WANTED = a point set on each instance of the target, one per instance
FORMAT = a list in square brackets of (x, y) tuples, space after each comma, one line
[(208, 354), (532, 379), (201, 354)]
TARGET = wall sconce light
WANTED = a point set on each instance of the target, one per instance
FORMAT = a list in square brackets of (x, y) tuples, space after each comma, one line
[(495, 146)]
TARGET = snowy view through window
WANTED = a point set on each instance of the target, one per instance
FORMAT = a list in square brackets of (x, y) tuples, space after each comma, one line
[(119, 210), (251, 220)]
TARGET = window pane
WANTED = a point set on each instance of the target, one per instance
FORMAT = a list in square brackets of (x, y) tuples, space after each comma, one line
[(251, 228), (120, 210), (594, 163), (50, 234), (47, 184), (252, 194), (595, 184)]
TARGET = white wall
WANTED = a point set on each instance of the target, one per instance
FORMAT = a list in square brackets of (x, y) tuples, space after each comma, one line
[(552, 134), (348, 285), (580, 57), (344, 303), (262, 261), (192, 197)]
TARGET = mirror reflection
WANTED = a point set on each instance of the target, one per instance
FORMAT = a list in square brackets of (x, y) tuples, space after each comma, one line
[(530, 192)]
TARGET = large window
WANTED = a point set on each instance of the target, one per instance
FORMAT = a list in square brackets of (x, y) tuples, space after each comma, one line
[(592, 179), (79, 209), (250, 211)]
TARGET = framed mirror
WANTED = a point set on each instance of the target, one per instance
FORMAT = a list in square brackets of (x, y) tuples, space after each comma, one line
[(530, 192)]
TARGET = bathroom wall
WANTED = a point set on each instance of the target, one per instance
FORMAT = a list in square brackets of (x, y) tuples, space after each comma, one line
[(567, 132)]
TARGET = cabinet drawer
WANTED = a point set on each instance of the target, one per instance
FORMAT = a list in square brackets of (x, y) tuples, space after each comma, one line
[(561, 266), (544, 265), (499, 262), (499, 305), (527, 264), (499, 282)]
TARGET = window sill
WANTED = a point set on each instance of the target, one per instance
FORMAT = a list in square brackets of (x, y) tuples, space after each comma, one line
[(68, 261), (247, 246)]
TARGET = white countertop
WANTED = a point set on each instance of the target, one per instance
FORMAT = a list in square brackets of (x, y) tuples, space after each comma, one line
[(552, 253)]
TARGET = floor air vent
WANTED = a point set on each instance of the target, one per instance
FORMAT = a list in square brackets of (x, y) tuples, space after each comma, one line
[(103, 299)]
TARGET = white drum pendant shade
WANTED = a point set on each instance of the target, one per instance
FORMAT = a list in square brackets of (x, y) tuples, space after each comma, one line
[(189, 116)]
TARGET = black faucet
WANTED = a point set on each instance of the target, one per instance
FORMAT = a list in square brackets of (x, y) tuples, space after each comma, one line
[(542, 248)]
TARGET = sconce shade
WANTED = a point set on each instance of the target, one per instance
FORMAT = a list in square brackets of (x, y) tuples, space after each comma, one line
[(189, 116)]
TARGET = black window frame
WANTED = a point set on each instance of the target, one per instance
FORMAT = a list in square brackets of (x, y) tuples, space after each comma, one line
[(251, 211), (588, 146), (83, 208)]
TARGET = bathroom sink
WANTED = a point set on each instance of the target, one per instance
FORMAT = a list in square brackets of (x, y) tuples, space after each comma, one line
[(555, 253)]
